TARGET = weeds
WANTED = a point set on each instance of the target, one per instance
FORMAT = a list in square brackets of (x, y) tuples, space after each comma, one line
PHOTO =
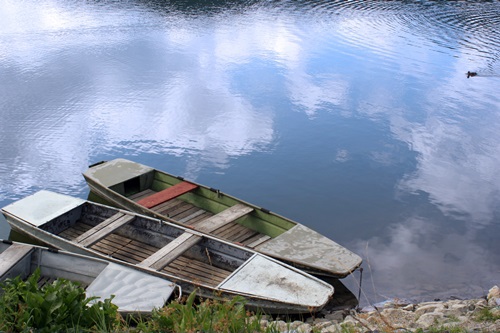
[(485, 314), (63, 307), (453, 319), (442, 330), (56, 307), (207, 316)]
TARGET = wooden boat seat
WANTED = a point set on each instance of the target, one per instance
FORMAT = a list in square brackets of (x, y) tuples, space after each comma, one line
[(103, 229), (181, 244), (171, 251), (226, 216), (260, 240), (166, 194), (10, 256)]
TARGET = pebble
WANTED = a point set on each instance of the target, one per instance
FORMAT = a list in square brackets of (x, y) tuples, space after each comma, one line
[(428, 319), (336, 316), (494, 296), (402, 316)]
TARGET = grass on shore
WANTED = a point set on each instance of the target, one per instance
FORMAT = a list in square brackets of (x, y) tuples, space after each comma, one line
[(58, 307), (206, 316), (487, 315), (63, 307)]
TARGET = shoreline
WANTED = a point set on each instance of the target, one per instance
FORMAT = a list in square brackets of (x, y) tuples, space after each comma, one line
[(472, 315)]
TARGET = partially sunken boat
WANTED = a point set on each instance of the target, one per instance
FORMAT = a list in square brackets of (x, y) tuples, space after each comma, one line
[(137, 187), (135, 292), (195, 261)]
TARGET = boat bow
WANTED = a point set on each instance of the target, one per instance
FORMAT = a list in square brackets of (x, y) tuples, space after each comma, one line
[(305, 247)]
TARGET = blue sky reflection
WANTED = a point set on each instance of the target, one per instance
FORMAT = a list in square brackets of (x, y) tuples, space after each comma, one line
[(402, 149)]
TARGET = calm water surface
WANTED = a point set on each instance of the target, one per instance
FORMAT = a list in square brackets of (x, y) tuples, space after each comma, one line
[(354, 118)]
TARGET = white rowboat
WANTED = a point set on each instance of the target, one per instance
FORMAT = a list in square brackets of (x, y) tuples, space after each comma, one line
[(135, 292), (195, 261)]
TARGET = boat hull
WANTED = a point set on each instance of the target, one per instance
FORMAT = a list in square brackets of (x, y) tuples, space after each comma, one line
[(275, 300), (134, 292), (290, 242)]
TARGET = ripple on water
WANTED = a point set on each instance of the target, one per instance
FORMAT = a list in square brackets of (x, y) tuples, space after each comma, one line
[(466, 25)]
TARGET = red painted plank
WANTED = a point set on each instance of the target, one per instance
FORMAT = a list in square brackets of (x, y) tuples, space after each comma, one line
[(166, 194)]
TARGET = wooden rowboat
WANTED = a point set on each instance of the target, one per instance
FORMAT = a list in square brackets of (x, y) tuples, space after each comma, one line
[(135, 292), (139, 188), (195, 261)]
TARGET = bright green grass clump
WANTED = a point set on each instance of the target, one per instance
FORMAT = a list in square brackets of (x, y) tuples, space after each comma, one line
[(442, 330), (487, 315), (63, 307), (58, 307), (206, 316)]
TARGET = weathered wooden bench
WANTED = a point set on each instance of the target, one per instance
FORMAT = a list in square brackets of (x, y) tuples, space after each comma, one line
[(10, 256), (181, 244), (261, 239), (171, 251), (226, 216), (167, 194), (103, 229)]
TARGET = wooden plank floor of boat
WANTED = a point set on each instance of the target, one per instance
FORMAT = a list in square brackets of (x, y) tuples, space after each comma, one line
[(134, 251), (181, 211), (47, 280)]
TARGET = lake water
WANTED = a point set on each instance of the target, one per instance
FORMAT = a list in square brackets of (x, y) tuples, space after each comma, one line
[(354, 118)]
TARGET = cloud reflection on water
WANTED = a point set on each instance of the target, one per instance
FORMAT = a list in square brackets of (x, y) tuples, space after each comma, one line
[(190, 109), (457, 149), (419, 260), (177, 85), (458, 163), (457, 144)]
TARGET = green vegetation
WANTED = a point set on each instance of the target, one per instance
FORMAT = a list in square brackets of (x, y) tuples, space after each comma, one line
[(348, 329), (485, 314), (442, 330), (453, 319), (60, 306), (63, 307), (206, 316)]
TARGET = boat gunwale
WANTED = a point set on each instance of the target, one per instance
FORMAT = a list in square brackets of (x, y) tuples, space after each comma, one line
[(115, 197), (49, 239), (37, 258), (181, 179)]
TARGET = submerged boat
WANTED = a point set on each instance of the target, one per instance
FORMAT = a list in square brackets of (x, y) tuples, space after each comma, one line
[(197, 262), (139, 188), (135, 292)]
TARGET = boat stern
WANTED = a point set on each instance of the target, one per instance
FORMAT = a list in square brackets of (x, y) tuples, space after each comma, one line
[(134, 291), (114, 172), (271, 281), (308, 249), (41, 207)]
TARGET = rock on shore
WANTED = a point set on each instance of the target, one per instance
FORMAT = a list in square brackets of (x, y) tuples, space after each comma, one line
[(477, 315)]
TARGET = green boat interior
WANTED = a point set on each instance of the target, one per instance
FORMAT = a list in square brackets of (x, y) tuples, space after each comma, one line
[(191, 204)]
